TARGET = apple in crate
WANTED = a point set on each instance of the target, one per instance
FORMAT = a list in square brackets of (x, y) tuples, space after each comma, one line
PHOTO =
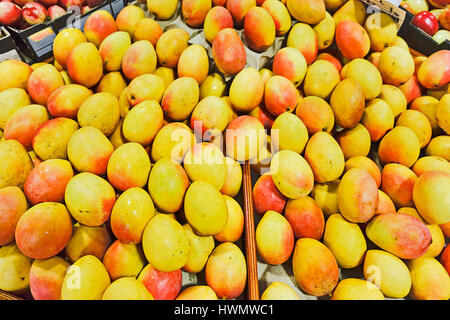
[(55, 11), (66, 4), (85, 9), (10, 14), (34, 13), (426, 21)]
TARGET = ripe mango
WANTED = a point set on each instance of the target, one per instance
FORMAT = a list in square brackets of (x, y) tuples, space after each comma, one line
[(98, 26), (170, 254), (367, 75), (173, 141), (434, 72), (13, 205), (259, 29), (112, 82), (366, 164), (290, 63), (15, 269), (85, 65), (292, 133), (213, 85), (325, 157), (400, 234), (162, 285), (279, 291), (43, 82), (303, 37), (381, 29), (216, 19), (15, 74), (228, 52), (279, 14), (305, 217), (194, 11), (123, 260), (66, 40), (439, 146), (147, 29), (46, 278), (170, 46), (280, 95), (266, 196), (345, 240), (399, 145), (352, 10), (316, 114), (87, 241), (127, 288), (355, 141), (66, 100), (430, 281), (430, 163), (394, 98), (205, 208), (347, 102), (194, 63), (315, 268), (443, 113), (235, 224), (396, 65), (197, 293), (321, 79), (210, 114), (239, 9), (200, 249), (357, 196), (310, 11), (246, 90), (378, 118), (352, 40), (356, 289), (398, 183), (145, 87), (138, 59), (86, 279), (163, 10), (128, 18), (180, 98), (113, 48), (233, 181)]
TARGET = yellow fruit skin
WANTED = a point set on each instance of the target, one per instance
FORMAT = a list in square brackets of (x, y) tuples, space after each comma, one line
[(235, 224), (46, 278), (213, 85), (394, 97), (430, 163), (311, 11), (381, 29), (355, 141), (430, 281), (87, 241), (396, 66), (378, 118), (180, 98), (11, 100), (279, 291), (205, 208), (367, 75), (86, 279), (437, 241), (345, 240), (165, 243), (139, 59), (387, 272), (127, 288), (356, 289), (247, 89), (233, 181), (352, 10), (170, 46), (325, 157), (325, 32), (200, 249), (280, 16), (113, 83), (173, 141), (325, 195), (443, 113), (113, 49), (292, 133), (399, 145), (14, 74), (145, 87), (124, 260), (439, 146), (15, 164), (14, 269), (163, 10), (85, 65), (321, 79), (194, 63), (197, 293)]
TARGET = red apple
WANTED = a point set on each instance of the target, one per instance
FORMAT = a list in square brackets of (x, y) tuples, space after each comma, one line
[(426, 21), (55, 12), (34, 13), (10, 14), (85, 9)]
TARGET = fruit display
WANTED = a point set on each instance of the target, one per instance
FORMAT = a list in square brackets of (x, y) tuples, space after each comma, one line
[(125, 160)]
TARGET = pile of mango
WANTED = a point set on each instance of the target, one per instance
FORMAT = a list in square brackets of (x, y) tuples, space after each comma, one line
[(120, 159)]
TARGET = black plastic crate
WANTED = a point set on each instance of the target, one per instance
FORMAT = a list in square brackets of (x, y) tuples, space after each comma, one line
[(8, 48), (37, 41)]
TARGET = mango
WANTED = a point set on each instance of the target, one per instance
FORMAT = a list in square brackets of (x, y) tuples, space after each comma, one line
[(226, 271), (86, 279), (367, 75), (15, 269), (197, 293), (123, 260), (274, 238), (15, 164), (356, 289), (15, 74), (98, 26), (357, 196), (173, 141), (200, 249), (325, 157), (216, 19), (434, 72), (351, 10), (438, 146), (85, 65), (398, 182), (87, 241), (388, 231), (145, 87), (331, 58), (259, 29), (130, 214), (194, 11), (205, 208), (279, 14), (378, 118), (381, 29), (325, 31), (50, 232), (290, 63), (443, 113), (399, 145), (305, 217), (163, 10), (170, 254), (411, 89), (139, 58), (310, 11), (266, 196), (66, 100), (52, 137), (366, 164), (303, 37), (239, 9), (210, 115), (394, 98), (355, 141), (289, 133), (89, 199), (47, 181), (46, 278), (13, 205), (430, 281), (166, 74), (246, 90), (352, 40), (345, 240), (396, 66), (89, 150), (385, 204), (113, 49), (113, 83), (66, 40), (193, 63), (430, 196), (180, 98), (162, 285), (291, 174), (347, 102), (127, 288), (228, 52), (101, 111), (387, 272), (437, 241), (233, 180), (170, 46), (235, 224), (315, 268), (430, 163), (280, 95), (128, 19), (279, 291), (244, 137), (43, 82), (316, 114), (147, 29), (321, 79), (143, 122), (23, 124), (213, 85)]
